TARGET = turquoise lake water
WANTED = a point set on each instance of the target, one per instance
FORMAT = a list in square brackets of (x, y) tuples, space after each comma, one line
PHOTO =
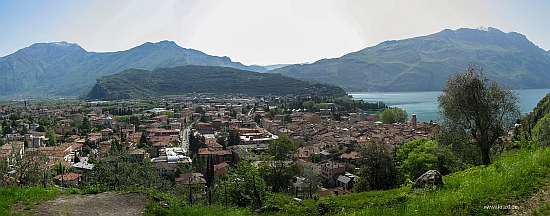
[(424, 104)]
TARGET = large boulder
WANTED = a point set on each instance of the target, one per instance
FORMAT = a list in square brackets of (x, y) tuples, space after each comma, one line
[(431, 178)]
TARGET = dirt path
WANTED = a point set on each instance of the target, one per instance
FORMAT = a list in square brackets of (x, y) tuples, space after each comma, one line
[(108, 203)]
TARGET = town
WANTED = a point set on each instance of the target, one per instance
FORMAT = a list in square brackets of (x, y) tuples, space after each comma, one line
[(180, 137)]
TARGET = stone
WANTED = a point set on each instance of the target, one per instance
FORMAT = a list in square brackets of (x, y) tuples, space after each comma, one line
[(267, 209), (431, 178)]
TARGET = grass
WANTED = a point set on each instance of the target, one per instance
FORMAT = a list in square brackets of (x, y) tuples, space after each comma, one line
[(9, 196), (512, 178)]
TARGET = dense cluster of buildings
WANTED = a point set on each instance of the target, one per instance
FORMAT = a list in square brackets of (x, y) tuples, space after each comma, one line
[(325, 145)]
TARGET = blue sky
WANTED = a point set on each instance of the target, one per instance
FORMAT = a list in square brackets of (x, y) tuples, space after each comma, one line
[(259, 32)]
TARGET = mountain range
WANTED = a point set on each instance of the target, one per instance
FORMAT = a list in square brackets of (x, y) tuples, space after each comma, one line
[(66, 69), (425, 63), (416, 64), (138, 83)]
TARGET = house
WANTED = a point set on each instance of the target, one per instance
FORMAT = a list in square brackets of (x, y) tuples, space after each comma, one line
[(330, 171), (220, 169), (346, 181), (62, 129), (352, 156), (83, 166), (196, 179), (106, 132), (164, 168), (137, 155), (67, 178)]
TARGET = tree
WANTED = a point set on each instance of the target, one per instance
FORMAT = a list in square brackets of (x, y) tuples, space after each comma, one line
[(4, 168), (257, 119), (59, 168), (378, 169), (287, 118), (143, 141), (30, 167), (85, 127), (6, 129), (308, 105), (222, 139), (541, 131), (392, 115), (52, 137), (311, 182), (421, 155), (484, 110), (280, 170), (118, 171), (243, 186), (233, 138), (196, 142), (24, 131)]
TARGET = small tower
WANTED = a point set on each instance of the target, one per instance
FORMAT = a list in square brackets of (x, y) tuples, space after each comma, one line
[(108, 121), (413, 120)]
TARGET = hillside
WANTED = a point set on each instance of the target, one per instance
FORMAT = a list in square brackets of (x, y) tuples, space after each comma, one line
[(517, 179), (66, 69), (424, 63), (140, 83)]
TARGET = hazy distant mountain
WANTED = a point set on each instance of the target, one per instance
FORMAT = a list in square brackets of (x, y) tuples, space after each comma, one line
[(424, 63), (271, 67), (66, 69), (136, 83)]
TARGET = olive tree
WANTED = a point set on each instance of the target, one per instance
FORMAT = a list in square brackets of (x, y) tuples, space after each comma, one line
[(482, 109)]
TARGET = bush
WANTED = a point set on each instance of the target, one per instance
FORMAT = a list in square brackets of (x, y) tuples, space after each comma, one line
[(421, 155)]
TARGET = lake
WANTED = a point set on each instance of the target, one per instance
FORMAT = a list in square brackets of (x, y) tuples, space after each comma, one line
[(424, 104)]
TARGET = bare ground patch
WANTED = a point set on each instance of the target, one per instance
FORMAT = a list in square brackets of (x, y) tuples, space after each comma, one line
[(108, 203)]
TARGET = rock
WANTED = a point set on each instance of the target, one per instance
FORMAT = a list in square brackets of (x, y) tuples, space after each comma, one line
[(267, 209), (431, 178)]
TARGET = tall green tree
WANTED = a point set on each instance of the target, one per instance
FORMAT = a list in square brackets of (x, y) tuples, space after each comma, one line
[(85, 127), (485, 110), (52, 137), (244, 186), (378, 170), (280, 170), (233, 138), (143, 141)]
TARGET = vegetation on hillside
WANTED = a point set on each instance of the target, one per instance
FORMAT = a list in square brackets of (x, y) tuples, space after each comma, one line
[(135, 83)]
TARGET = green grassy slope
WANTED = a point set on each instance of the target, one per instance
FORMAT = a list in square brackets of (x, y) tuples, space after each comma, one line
[(511, 180)]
